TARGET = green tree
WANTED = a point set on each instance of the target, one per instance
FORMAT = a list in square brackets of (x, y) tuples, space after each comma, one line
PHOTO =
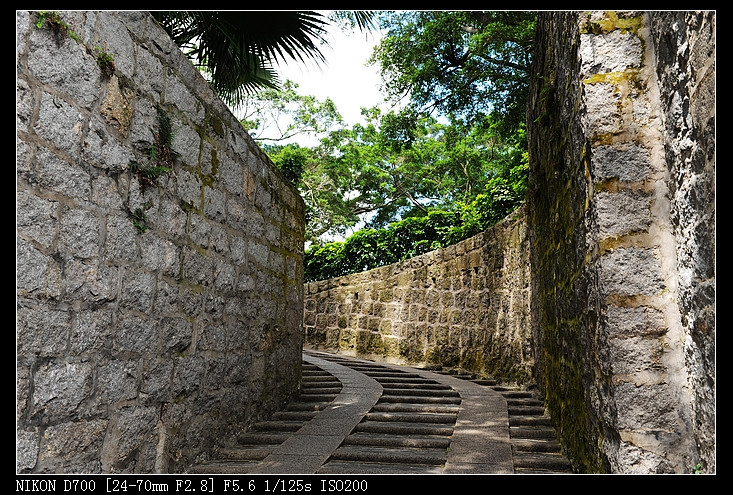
[(395, 166), (450, 163), (281, 115), (460, 63)]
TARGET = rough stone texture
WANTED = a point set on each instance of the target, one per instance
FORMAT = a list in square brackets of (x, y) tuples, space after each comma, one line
[(137, 351), (685, 46), (464, 306), (621, 132)]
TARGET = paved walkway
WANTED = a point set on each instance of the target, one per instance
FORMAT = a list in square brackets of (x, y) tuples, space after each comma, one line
[(310, 447), (480, 441), (379, 418)]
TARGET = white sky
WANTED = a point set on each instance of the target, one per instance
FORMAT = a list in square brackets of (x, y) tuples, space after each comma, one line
[(344, 76)]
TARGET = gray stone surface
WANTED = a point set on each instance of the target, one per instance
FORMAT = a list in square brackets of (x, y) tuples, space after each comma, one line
[(127, 330), (623, 235), (448, 307)]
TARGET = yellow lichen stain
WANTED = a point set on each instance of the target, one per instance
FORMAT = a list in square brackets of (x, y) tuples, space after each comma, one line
[(615, 78), (613, 22), (117, 106)]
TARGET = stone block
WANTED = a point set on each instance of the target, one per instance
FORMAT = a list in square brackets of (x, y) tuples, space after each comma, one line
[(622, 213), (53, 173), (614, 51), (61, 390), (627, 162), (602, 115), (630, 272)]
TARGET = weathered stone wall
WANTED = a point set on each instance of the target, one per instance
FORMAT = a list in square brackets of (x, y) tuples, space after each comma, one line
[(684, 43), (623, 251), (138, 348), (464, 306)]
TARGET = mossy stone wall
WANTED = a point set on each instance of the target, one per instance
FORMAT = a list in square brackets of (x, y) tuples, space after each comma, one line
[(613, 353), (448, 308)]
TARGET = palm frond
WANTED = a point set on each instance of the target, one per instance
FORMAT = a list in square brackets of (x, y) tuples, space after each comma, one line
[(238, 48)]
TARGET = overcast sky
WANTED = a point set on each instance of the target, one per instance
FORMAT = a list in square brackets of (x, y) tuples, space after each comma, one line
[(344, 77)]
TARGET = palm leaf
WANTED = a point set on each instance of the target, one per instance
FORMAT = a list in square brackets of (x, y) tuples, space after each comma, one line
[(238, 48)]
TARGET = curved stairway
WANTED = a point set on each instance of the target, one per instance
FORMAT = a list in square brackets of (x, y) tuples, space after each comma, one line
[(396, 420), (535, 448), (407, 431), (318, 389)]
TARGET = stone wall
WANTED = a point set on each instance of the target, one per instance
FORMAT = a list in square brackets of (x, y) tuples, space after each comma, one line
[(154, 315), (621, 209), (684, 43), (463, 306)]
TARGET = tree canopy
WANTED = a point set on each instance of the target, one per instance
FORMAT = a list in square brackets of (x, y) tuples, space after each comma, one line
[(448, 161), (461, 63)]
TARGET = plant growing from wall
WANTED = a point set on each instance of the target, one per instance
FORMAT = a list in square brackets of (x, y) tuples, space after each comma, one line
[(58, 26), (160, 158), (139, 217), (106, 62), (160, 154)]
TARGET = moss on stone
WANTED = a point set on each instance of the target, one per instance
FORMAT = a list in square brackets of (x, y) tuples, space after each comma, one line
[(612, 22)]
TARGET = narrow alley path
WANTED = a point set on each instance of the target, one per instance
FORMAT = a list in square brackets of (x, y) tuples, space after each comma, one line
[(355, 416)]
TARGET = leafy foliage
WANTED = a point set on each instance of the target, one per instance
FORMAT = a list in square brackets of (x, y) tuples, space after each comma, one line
[(160, 155), (398, 165), (446, 164), (277, 115), (371, 248), (462, 63), (238, 48)]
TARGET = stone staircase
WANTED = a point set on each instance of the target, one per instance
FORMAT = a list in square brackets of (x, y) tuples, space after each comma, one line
[(318, 389), (535, 448), (407, 431)]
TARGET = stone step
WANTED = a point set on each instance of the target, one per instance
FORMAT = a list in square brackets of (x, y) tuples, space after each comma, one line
[(405, 380), (320, 383), (411, 407), (532, 432), (320, 390), (529, 421), (525, 402), (307, 406), (320, 379), (485, 381), (413, 417), (536, 445), (404, 428), (377, 375), (345, 467), (301, 416), (253, 453), (531, 462), (516, 394), (419, 392), (223, 467), (414, 386), (390, 455), (262, 438), (278, 426), (316, 397), (415, 441), (526, 410), (396, 399)]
